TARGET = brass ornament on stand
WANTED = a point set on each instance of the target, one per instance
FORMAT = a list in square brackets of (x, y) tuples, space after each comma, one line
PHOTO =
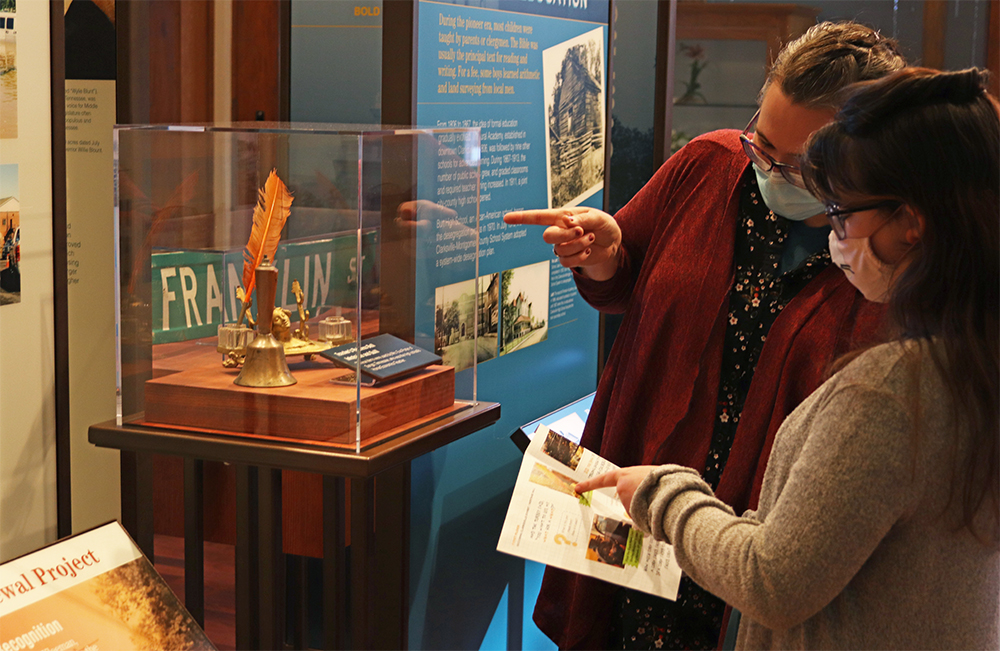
[(296, 341), (233, 338), (265, 364)]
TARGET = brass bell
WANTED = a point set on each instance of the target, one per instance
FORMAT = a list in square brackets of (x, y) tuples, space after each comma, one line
[(265, 364)]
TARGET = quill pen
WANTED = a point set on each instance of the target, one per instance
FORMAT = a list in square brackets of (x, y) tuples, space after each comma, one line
[(273, 207)]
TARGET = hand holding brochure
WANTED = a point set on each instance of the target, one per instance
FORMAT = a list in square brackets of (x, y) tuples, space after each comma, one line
[(589, 534)]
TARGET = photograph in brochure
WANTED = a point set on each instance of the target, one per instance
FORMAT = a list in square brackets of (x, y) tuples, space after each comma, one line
[(608, 539), (562, 449), (545, 476), (591, 534)]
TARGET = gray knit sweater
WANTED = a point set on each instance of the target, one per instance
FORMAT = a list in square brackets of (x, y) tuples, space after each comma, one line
[(855, 544)]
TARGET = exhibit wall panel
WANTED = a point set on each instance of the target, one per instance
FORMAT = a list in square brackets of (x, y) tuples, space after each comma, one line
[(28, 497), (336, 61), (534, 78), (90, 119)]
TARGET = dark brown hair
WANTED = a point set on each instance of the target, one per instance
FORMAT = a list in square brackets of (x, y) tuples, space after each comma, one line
[(813, 69), (931, 140)]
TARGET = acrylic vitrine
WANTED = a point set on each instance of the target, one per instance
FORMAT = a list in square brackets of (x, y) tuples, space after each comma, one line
[(363, 236)]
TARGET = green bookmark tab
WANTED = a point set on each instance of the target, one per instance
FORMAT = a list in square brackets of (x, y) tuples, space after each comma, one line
[(633, 547)]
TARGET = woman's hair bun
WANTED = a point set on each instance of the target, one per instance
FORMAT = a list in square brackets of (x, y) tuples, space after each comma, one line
[(908, 89), (965, 85)]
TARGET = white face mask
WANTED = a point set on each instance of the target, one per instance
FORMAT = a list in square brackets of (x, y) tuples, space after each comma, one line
[(855, 257), (783, 198)]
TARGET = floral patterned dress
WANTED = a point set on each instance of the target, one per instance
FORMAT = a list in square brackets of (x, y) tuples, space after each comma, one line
[(760, 291)]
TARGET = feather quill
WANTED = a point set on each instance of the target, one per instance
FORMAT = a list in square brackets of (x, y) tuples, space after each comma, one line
[(273, 207)]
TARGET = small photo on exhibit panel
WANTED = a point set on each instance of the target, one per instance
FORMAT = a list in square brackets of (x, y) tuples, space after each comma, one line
[(455, 309), (488, 303), (10, 235), (524, 312), (8, 68), (573, 79)]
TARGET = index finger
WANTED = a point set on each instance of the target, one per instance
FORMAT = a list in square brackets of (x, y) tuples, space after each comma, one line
[(606, 480), (552, 217)]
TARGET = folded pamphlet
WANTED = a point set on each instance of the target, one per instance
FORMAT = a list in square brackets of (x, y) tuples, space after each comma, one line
[(589, 534)]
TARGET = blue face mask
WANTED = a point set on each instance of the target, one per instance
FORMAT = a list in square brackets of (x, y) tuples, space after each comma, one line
[(784, 199)]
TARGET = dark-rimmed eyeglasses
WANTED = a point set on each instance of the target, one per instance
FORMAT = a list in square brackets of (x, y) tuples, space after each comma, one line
[(764, 161), (838, 215)]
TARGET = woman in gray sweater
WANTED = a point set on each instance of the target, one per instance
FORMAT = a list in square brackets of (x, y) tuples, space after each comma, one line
[(878, 523)]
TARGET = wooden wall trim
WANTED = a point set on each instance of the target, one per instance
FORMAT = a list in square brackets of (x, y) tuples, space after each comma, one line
[(935, 23), (284, 60), (399, 106), (195, 60), (993, 48), (258, 59), (164, 87), (666, 46), (132, 83), (60, 286)]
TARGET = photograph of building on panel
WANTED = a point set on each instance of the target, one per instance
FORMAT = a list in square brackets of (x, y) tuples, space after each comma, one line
[(525, 312), (574, 112), (10, 236), (488, 292), (8, 68), (454, 321)]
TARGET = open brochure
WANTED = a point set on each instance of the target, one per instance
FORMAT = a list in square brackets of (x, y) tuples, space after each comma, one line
[(589, 534)]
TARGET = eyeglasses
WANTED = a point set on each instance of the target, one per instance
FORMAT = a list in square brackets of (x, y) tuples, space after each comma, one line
[(764, 161), (838, 215)]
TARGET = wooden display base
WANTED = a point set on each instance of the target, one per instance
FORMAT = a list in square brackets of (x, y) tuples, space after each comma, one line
[(203, 396)]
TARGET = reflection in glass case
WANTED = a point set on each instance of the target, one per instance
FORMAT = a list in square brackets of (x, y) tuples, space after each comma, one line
[(250, 254), (723, 52)]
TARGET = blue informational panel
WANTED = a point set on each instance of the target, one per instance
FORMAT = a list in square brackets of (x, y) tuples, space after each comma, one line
[(336, 61), (533, 76)]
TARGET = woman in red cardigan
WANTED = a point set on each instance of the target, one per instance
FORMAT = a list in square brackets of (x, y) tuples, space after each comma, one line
[(732, 314)]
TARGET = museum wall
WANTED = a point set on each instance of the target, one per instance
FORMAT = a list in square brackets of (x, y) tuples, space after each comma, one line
[(183, 64), (28, 487)]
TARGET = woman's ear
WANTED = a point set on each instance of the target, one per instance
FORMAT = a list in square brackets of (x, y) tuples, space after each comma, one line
[(915, 224)]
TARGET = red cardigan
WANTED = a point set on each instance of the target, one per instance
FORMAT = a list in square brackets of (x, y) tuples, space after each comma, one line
[(656, 400)]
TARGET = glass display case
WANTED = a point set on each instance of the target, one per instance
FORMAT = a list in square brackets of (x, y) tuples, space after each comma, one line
[(301, 282), (724, 50)]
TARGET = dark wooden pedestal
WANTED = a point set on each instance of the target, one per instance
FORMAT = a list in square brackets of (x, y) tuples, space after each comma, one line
[(365, 602)]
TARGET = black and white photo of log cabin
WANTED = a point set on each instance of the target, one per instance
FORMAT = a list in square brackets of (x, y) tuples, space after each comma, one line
[(574, 92)]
